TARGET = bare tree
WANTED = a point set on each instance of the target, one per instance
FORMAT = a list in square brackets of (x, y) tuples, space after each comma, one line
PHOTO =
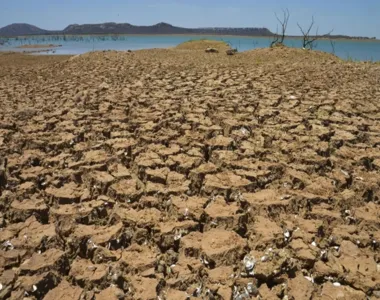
[(308, 40), (278, 39)]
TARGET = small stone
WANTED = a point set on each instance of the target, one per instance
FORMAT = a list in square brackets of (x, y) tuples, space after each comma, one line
[(211, 50), (104, 86), (336, 284)]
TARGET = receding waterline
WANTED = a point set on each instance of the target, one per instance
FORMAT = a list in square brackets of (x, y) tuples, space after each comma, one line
[(361, 50)]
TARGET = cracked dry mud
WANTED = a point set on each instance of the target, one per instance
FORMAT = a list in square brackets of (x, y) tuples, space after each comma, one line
[(176, 174)]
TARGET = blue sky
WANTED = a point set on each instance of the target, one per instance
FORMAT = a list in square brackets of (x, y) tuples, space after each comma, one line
[(351, 17)]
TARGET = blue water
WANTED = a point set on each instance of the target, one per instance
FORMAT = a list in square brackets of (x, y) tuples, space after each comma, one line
[(346, 49)]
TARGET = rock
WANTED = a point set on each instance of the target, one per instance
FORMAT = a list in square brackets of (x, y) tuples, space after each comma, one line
[(231, 51), (104, 86), (211, 50)]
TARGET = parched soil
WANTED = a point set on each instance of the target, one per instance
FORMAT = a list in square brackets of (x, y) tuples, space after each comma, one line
[(179, 174)]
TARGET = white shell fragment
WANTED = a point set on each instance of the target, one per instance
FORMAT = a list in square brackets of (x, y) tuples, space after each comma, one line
[(8, 245), (244, 131), (249, 262), (311, 279)]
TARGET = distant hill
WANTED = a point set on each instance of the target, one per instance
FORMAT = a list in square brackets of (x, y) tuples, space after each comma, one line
[(160, 28), (21, 29), (126, 28)]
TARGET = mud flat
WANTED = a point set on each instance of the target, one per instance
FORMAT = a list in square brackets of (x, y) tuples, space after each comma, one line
[(181, 174)]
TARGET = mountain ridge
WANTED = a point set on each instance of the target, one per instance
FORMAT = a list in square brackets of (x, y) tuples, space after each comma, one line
[(22, 29), (19, 29)]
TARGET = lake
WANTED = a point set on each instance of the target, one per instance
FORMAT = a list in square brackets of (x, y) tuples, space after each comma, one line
[(347, 49)]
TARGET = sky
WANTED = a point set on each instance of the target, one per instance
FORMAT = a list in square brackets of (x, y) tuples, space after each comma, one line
[(350, 17)]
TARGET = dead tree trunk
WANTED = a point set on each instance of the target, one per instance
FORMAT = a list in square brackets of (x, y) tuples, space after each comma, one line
[(308, 41), (278, 39)]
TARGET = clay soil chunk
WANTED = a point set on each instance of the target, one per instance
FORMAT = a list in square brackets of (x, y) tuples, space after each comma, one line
[(137, 259), (84, 271), (224, 181), (33, 234), (300, 288), (222, 247), (52, 259), (29, 206), (99, 181), (97, 235), (329, 291), (64, 291), (125, 190), (144, 288), (67, 194), (189, 207), (223, 215), (111, 293), (76, 210)]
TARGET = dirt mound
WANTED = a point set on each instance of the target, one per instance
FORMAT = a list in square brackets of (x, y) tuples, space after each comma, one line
[(203, 44), (283, 53), (182, 174)]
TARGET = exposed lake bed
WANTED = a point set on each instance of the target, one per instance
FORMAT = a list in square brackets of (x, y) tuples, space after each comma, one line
[(177, 173)]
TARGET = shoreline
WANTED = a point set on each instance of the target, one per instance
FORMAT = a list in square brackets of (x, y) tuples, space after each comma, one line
[(39, 46)]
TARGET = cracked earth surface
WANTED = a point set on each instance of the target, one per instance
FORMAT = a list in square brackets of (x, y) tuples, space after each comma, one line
[(176, 174)]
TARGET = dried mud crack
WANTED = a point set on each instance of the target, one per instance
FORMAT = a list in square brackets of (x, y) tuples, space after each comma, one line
[(180, 174)]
